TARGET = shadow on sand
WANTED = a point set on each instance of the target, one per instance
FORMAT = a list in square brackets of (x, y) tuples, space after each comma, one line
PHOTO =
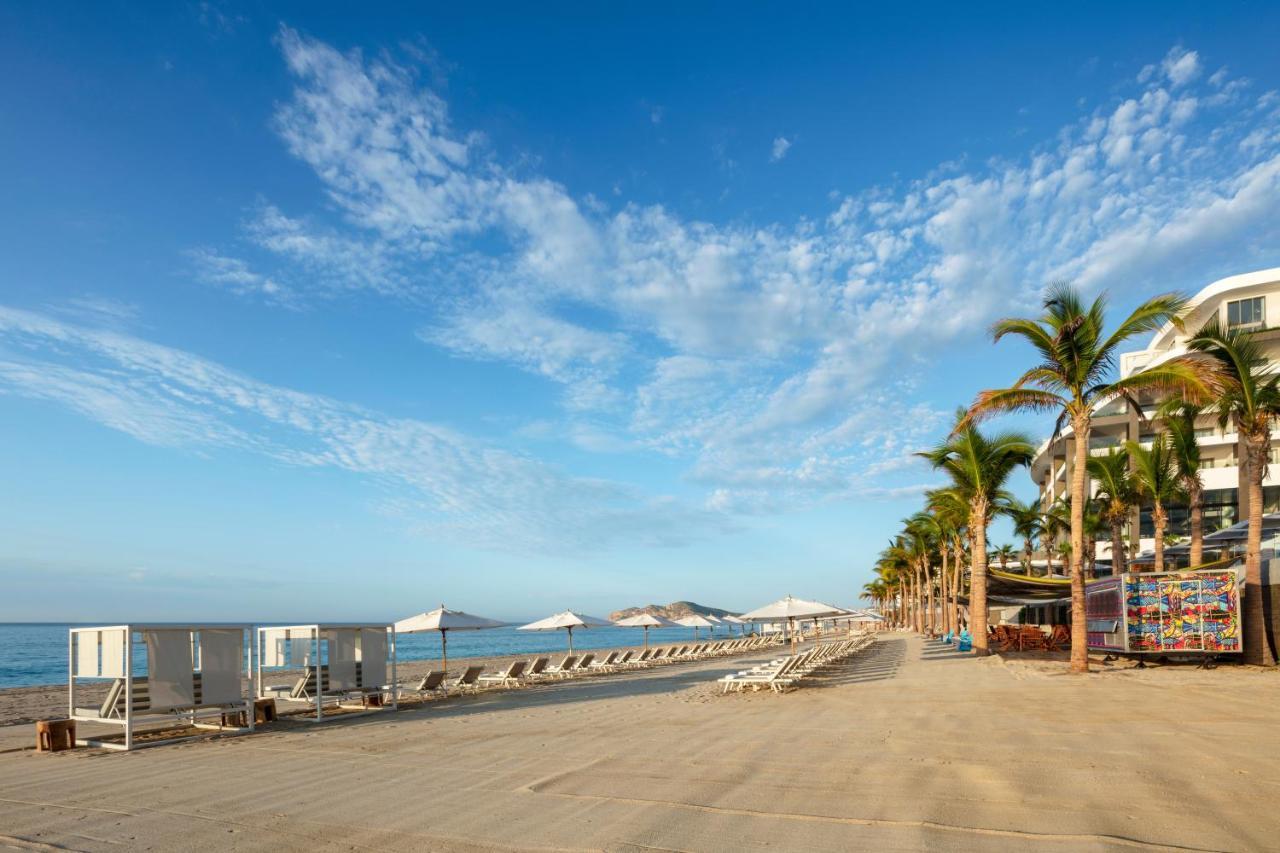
[(879, 662)]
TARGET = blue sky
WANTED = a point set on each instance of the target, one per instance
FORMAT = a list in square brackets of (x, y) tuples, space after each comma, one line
[(311, 314)]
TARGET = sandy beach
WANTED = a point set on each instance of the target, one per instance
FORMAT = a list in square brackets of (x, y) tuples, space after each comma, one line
[(909, 747)]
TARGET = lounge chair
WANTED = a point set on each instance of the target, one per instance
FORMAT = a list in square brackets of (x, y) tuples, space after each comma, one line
[(468, 680), (537, 667), (564, 667), (606, 664), (432, 684), (509, 677)]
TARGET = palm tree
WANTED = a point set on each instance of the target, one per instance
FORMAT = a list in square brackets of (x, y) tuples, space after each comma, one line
[(1055, 521), (1155, 478), (1113, 489), (924, 533), (1072, 378), (1180, 421), (979, 466), (952, 509), (1004, 554), (1248, 397), (1027, 523)]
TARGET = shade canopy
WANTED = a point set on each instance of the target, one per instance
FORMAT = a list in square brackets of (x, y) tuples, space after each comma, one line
[(733, 619), (567, 619), (645, 620), (444, 621), (695, 620), (790, 608), (441, 619)]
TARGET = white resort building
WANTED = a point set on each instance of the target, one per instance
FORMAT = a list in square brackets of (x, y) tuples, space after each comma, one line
[(1252, 301)]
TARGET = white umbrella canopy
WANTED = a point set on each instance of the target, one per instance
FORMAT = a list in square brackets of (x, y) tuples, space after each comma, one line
[(646, 621), (695, 621), (444, 621), (791, 609), (733, 620), (567, 621)]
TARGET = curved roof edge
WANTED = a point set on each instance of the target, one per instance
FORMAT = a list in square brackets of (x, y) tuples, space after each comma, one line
[(1270, 275)]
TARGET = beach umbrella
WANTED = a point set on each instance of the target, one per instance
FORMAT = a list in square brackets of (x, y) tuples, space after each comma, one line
[(695, 621), (444, 621), (790, 609), (734, 620), (566, 621), (646, 621)]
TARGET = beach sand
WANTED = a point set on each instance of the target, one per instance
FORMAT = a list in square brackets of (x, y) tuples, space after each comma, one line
[(911, 747)]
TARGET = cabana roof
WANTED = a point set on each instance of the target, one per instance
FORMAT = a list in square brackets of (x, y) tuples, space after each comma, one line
[(340, 626), (166, 626)]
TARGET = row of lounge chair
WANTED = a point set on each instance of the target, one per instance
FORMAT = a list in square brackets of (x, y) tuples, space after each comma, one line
[(782, 673), (520, 673)]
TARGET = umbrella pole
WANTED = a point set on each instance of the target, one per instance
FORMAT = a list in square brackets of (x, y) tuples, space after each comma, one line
[(646, 638), (444, 651), (793, 636), (570, 630)]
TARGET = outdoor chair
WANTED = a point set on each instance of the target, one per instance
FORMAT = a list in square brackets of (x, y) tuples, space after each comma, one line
[(510, 677)]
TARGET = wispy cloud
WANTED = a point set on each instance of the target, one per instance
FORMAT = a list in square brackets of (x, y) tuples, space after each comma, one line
[(766, 354), (453, 485), (781, 145)]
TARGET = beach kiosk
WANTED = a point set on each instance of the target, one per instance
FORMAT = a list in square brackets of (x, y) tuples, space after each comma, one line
[(1194, 613), (338, 664), (181, 674)]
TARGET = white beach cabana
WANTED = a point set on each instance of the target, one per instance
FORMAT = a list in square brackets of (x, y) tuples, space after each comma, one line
[(338, 661), (566, 621), (159, 673), (695, 621), (788, 610), (646, 621), (444, 621)]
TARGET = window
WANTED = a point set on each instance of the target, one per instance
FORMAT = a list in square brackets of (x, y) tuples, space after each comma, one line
[(1245, 312)]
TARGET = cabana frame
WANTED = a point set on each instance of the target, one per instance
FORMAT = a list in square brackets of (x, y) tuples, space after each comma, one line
[(314, 635), (189, 714)]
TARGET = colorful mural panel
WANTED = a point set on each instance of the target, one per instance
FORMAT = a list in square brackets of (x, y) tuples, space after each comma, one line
[(1183, 612)]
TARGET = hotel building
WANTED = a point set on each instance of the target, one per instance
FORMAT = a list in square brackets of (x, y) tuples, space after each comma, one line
[(1249, 301)]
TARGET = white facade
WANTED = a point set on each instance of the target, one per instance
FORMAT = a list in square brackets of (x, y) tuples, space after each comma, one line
[(1251, 300)]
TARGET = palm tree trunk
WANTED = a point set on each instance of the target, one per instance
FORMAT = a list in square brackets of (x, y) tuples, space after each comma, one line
[(1195, 497), (1079, 624), (943, 592), (978, 577), (928, 589), (956, 583), (1118, 557), (1158, 521), (1257, 642)]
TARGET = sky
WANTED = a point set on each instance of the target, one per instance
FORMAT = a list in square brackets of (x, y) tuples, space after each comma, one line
[(314, 314)]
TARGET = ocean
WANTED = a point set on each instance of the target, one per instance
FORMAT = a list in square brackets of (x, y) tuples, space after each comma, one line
[(36, 653)]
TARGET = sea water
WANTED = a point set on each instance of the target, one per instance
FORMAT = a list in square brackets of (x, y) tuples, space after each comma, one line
[(36, 653)]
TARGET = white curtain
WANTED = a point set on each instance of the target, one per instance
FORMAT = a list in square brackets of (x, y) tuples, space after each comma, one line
[(273, 647), (373, 657), (169, 669), (342, 659), (221, 657), (87, 653), (301, 649)]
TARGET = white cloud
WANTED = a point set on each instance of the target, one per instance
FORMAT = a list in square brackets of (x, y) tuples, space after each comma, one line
[(1181, 66), (457, 486), (759, 352), (235, 275), (781, 145)]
